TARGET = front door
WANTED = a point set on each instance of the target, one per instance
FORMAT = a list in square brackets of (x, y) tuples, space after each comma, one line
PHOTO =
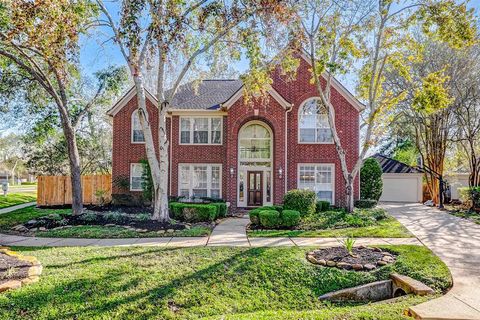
[(255, 188)]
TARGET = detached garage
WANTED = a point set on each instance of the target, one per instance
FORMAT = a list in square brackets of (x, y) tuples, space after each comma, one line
[(401, 182)]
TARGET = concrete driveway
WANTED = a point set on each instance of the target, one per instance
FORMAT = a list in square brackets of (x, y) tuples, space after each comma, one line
[(457, 242)]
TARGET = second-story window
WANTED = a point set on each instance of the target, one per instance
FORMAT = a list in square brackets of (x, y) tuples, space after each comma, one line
[(137, 132), (313, 123), (200, 130)]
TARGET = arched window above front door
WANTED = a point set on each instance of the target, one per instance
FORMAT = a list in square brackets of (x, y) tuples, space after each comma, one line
[(255, 143), (313, 126)]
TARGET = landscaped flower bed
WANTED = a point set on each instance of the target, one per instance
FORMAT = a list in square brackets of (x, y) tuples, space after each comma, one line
[(196, 219), (359, 259)]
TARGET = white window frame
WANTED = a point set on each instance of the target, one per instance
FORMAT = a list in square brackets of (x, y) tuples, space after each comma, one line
[(331, 165), (132, 120), (300, 109), (209, 177), (131, 176), (191, 119)]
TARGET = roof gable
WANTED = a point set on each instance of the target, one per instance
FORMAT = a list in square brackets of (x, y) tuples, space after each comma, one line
[(390, 165), (126, 98)]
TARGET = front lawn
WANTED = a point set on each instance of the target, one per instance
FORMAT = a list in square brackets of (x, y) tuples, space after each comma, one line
[(218, 283), (8, 220), (372, 223), (13, 199)]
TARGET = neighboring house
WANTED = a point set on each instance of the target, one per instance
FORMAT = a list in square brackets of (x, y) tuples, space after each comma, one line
[(249, 155), (401, 182), (457, 180)]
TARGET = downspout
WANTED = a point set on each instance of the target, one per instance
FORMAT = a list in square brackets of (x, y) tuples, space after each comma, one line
[(285, 176), (170, 155)]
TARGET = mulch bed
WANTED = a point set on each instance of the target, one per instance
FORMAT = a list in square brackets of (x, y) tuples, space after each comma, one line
[(361, 259), (12, 268)]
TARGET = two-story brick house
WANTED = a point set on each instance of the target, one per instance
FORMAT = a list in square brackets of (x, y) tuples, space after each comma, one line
[(249, 155)]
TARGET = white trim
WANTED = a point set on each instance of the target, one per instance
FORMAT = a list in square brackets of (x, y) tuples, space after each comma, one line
[(264, 170), (131, 176), (191, 143), (298, 124), (209, 177), (127, 97), (274, 93), (339, 87), (332, 165), (132, 119)]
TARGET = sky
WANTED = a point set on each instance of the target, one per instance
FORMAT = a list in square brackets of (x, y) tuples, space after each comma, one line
[(97, 52)]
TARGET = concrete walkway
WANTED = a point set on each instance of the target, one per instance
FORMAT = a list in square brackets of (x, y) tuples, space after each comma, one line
[(18, 206), (457, 242)]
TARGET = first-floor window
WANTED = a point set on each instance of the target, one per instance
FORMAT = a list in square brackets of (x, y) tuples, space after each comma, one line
[(136, 176), (318, 178), (199, 180)]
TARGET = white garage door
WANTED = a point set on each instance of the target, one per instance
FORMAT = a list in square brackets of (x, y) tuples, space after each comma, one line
[(402, 187)]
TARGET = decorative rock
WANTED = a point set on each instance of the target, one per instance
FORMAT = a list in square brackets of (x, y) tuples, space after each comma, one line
[(322, 262), (369, 267), (382, 263), (357, 267), (12, 284), (33, 221), (344, 265), (388, 259), (42, 229), (331, 263), (377, 249), (188, 227), (312, 259), (110, 225), (142, 230), (161, 231), (170, 230)]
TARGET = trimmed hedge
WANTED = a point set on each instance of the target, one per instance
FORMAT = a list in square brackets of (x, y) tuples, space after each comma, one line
[(322, 206), (269, 218), (221, 209), (371, 184), (192, 212), (303, 201), (365, 203), (290, 218), (471, 195)]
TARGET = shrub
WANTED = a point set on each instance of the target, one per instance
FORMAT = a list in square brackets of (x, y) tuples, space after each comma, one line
[(290, 218), (88, 217), (303, 201), (147, 180), (143, 217), (365, 203), (278, 208), (470, 195), (115, 217), (221, 209), (193, 212), (269, 218), (253, 214), (371, 184), (322, 206)]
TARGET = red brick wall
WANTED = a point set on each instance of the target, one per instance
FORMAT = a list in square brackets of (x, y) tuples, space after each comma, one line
[(270, 112)]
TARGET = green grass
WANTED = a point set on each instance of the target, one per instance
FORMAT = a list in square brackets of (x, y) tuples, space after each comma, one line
[(100, 232), (13, 199), (386, 228), (191, 283), (8, 220)]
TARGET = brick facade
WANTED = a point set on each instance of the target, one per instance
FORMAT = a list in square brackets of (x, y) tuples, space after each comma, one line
[(283, 123)]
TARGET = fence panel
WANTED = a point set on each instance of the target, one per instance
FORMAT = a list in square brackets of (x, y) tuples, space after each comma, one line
[(57, 190)]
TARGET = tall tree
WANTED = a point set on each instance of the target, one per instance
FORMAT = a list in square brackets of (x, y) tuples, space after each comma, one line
[(39, 39), (179, 34), (376, 34)]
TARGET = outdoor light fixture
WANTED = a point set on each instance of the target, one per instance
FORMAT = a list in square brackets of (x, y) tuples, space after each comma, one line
[(280, 172), (232, 171)]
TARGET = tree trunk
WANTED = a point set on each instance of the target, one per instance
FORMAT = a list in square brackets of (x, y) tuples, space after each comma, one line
[(161, 214), (349, 194), (75, 171)]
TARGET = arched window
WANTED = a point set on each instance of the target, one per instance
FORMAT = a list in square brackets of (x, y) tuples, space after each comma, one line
[(255, 143), (313, 123), (137, 132)]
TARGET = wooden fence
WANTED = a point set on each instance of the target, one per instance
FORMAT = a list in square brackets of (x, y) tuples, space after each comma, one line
[(57, 190)]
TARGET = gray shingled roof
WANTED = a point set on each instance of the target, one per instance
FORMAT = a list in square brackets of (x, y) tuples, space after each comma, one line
[(206, 95), (390, 165)]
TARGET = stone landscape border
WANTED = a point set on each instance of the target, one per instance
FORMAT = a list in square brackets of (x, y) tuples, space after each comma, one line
[(33, 274)]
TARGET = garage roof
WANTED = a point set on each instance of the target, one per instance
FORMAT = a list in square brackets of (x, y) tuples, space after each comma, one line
[(390, 165)]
